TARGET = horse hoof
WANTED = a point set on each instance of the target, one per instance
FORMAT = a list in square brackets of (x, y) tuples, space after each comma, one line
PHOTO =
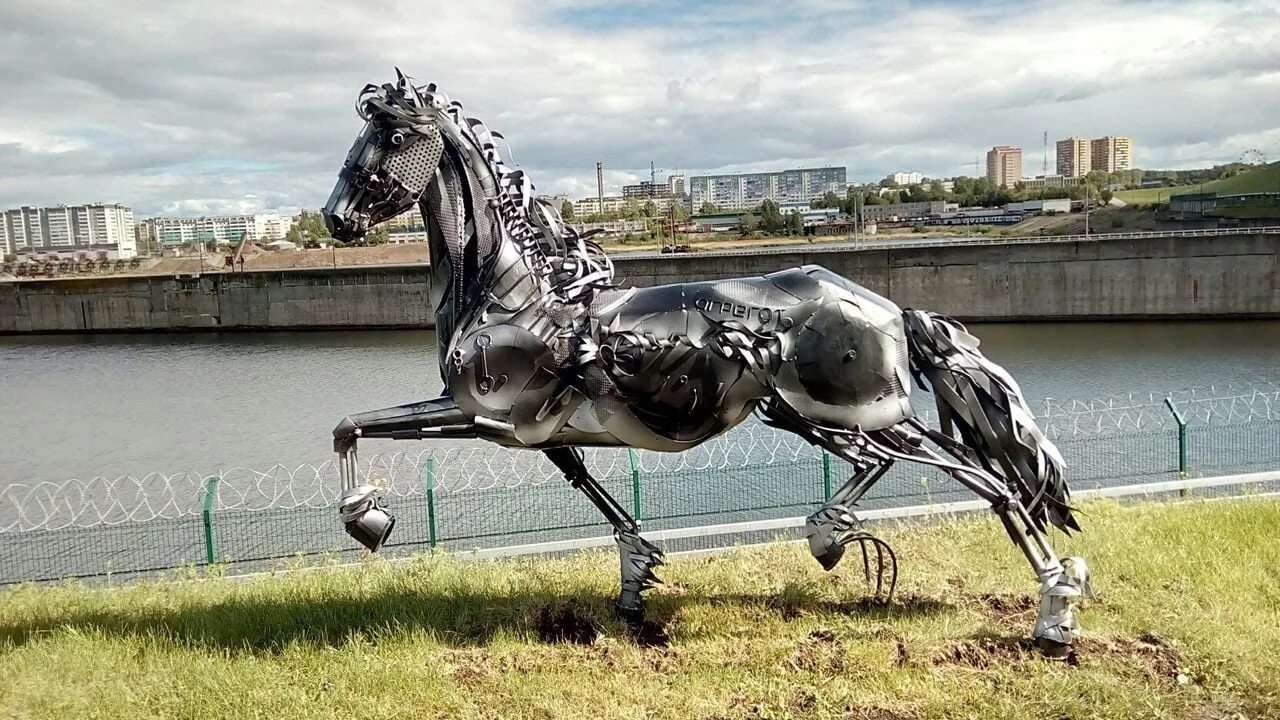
[(1053, 649), (830, 556), (631, 614)]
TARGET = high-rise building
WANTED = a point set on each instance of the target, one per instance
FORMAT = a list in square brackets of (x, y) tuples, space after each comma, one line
[(744, 191), (645, 190), (1112, 153), (675, 185), (223, 229), (908, 178), (1004, 165), (70, 229), (1074, 157)]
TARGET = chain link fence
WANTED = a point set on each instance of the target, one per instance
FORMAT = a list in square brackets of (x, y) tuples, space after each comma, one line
[(484, 497)]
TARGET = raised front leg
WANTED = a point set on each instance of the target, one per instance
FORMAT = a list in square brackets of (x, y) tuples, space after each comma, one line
[(638, 557), (359, 506)]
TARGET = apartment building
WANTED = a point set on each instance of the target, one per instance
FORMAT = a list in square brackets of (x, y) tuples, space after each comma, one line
[(69, 230), (744, 191), (1074, 157), (220, 229), (1113, 153), (1004, 165)]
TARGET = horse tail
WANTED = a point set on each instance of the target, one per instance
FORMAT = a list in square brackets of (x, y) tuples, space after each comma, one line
[(980, 400)]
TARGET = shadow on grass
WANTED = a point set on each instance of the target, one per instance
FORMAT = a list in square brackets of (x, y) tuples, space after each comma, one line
[(455, 618)]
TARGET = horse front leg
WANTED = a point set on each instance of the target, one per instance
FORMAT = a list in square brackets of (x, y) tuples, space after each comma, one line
[(637, 556), (360, 507)]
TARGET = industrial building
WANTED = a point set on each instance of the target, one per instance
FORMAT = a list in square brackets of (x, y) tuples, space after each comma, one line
[(1052, 181), (896, 211)]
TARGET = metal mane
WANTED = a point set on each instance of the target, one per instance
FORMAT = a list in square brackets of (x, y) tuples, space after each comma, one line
[(574, 267)]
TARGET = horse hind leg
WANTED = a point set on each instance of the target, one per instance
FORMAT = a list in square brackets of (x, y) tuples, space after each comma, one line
[(1001, 454), (1062, 582), (835, 526)]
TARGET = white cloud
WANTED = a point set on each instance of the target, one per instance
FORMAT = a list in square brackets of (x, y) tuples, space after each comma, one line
[(178, 107)]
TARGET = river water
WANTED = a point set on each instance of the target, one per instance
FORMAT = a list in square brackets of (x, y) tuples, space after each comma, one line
[(109, 405)]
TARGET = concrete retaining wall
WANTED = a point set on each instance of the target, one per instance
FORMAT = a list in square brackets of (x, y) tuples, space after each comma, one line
[(345, 297), (1224, 276)]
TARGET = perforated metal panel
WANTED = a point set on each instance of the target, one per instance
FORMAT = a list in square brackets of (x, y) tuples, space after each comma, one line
[(414, 165)]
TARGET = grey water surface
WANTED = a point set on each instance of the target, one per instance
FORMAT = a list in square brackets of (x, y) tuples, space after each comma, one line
[(108, 405)]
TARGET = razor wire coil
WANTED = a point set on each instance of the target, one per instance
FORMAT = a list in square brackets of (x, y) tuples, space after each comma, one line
[(102, 501)]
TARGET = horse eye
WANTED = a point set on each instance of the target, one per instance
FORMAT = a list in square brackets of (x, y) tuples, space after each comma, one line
[(397, 138)]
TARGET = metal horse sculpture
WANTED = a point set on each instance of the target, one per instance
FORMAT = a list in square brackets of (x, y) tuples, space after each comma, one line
[(540, 348)]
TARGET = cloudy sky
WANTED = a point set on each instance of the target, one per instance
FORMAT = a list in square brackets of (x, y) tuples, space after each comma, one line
[(234, 106)]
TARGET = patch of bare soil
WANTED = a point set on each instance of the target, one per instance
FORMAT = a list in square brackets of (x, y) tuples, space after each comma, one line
[(1161, 661), (821, 652), (566, 624), (649, 634), (983, 653), (791, 608), (1008, 604)]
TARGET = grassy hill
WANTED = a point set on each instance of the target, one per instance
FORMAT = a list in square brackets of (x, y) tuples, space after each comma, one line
[(1264, 178), (1186, 625)]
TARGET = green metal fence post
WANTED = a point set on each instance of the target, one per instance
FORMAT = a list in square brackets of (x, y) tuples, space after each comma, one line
[(635, 483), (210, 492), (1183, 460), (429, 479), (826, 475)]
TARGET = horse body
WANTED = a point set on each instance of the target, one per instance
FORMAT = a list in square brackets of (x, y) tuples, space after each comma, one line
[(676, 365), (542, 348)]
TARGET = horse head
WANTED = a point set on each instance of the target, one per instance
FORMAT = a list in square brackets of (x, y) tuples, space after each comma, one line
[(392, 162)]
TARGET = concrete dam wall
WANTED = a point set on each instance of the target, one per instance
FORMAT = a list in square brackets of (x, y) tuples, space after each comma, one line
[(1232, 276), (382, 297)]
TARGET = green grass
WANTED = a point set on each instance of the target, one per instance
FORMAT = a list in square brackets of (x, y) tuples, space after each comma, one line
[(1264, 178), (1148, 196), (1187, 625)]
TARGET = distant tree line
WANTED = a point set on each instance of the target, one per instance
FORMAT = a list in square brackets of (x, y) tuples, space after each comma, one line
[(309, 230)]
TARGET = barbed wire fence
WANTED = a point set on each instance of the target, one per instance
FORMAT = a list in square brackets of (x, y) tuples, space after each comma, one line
[(488, 496)]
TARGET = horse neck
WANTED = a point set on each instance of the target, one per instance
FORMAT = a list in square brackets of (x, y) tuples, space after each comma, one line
[(485, 263)]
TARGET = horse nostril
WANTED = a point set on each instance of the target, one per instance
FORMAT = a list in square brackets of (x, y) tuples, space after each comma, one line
[(335, 223)]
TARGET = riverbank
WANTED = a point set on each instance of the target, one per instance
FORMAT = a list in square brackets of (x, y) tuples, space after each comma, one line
[(1216, 276), (1175, 632)]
